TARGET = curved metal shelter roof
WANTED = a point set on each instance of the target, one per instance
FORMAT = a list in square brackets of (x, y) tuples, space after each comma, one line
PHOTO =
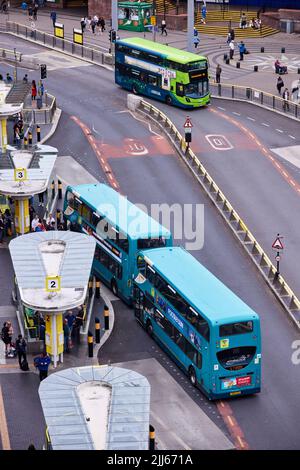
[(55, 253), (38, 162), (70, 427)]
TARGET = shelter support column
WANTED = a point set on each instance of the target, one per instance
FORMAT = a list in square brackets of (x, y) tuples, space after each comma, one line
[(3, 135), (55, 337), (22, 219)]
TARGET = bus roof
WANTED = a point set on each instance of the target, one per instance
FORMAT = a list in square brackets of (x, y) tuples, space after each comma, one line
[(205, 292), (119, 211), (177, 55)]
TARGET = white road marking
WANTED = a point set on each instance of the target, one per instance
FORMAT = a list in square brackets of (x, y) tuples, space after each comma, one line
[(279, 130), (265, 124), (290, 154), (223, 109), (237, 114), (219, 142), (292, 137), (250, 118)]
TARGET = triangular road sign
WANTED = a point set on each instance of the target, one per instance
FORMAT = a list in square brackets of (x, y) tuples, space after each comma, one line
[(187, 123), (277, 244)]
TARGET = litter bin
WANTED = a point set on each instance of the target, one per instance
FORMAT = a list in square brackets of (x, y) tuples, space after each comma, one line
[(39, 102)]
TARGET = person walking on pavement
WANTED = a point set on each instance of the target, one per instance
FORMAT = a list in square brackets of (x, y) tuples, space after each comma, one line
[(66, 336), (218, 73), (21, 347), (6, 337), (42, 363), (164, 27), (30, 12), (102, 24), (231, 49), (33, 90), (34, 11), (286, 97), (82, 24), (53, 17), (279, 85), (93, 25), (242, 50)]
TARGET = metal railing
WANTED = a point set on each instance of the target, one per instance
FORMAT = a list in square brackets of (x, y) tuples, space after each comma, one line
[(39, 116), (63, 45), (277, 283), (10, 55), (258, 97)]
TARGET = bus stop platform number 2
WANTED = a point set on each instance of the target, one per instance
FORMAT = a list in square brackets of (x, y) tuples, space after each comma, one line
[(53, 283)]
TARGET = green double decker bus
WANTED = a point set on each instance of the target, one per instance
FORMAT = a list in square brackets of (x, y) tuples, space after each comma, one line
[(165, 73), (207, 329)]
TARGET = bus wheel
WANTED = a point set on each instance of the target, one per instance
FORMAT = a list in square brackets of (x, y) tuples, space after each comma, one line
[(134, 90), (192, 376), (149, 328), (114, 287), (169, 100)]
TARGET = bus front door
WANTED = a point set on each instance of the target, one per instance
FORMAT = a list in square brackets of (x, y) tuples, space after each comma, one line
[(138, 302)]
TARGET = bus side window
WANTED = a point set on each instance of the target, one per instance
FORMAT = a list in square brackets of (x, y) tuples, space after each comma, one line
[(179, 89)]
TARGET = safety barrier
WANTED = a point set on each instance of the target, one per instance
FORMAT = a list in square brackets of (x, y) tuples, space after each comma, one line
[(10, 55), (257, 97), (278, 284), (99, 57), (39, 116)]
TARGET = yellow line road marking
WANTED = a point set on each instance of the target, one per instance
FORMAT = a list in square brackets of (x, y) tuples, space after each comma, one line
[(3, 425)]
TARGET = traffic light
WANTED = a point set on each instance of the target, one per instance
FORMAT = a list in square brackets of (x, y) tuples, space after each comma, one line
[(112, 35), (43, 71)]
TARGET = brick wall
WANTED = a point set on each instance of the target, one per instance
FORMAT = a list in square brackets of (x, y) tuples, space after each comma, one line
[(100, 8), (177, 22)]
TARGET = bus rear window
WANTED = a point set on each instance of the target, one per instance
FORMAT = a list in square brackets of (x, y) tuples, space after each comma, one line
[(144, 243), (236, 328), (236, 358)]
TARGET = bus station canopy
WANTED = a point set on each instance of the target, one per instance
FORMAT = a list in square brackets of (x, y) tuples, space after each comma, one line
[(89, 421), (8, 109), (40, 255), (38, 163)]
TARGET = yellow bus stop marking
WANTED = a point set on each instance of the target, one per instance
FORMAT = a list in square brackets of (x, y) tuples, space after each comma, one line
[(3, 425)]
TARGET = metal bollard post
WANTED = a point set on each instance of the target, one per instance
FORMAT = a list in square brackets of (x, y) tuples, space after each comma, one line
[(238, 65), (25, 142), (106, 317), (282, 50), (30, 138), (91, 287), (59, 185), (255, 68), (38, 133), (97, 330), (262, 49), (97, 289), (53, 189), (151, 437), (90, 344)]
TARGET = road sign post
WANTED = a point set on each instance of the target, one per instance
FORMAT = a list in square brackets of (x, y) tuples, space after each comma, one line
[(278, 246), (188, 131)]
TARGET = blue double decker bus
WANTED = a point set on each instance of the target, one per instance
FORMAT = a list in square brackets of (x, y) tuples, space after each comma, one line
[(209, 331), (120, 228)]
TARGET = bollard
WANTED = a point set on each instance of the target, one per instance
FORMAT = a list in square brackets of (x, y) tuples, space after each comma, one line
[(227, 61), (238, 65), (262, 49), (52, 186), (225, 56), (30, 138), (90, 344), (282, 50), (298, 71), (151, 437), (25, 142), (91, 287), (255, 68), (97, 330), (38, 133), (59, 186), (97, 289), (106, 317)]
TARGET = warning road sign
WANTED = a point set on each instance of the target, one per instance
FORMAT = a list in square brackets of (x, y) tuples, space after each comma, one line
[(187, 123), (277, 244)]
